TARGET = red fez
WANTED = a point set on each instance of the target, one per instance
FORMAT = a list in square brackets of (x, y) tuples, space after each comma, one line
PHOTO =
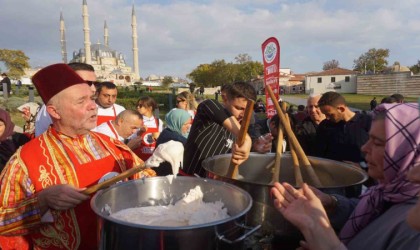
[(52, 79)]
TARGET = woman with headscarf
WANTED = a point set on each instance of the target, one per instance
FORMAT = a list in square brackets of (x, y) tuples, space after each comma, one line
[(10, 141), (169, 145), (378, 220), (178, 123)]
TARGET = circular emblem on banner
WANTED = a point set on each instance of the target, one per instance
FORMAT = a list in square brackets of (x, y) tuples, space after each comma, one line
[(270, 52)]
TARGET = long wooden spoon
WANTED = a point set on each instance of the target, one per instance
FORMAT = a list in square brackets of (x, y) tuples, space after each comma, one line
[(233, 168), (294, 142), (92, 189), (279, 152)]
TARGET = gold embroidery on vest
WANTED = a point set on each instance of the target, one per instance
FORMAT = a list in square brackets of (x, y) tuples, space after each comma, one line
[(44, 177), (55, 234)]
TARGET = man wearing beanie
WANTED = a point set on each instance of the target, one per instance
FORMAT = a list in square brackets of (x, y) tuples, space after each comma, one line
[(40, 194)]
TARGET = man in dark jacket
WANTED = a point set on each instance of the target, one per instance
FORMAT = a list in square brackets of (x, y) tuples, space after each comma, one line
[(306, 130), (341, 135), (7, 81), (373, 103)]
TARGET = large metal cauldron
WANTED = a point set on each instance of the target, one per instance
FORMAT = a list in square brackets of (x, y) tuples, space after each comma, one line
[(255, 178), (116, 234)]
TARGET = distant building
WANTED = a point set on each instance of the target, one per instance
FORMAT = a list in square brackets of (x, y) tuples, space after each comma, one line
[(289, 82), (338, 80), (109, 64)]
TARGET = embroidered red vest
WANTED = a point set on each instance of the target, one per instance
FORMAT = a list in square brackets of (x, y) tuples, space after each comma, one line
[(74, 228)]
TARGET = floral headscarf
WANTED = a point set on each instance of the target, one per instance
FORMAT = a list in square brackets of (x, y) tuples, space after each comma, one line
[(402, 152)]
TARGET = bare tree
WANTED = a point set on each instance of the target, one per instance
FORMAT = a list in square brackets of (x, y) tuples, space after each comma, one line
[(243, 58), (330, 64)]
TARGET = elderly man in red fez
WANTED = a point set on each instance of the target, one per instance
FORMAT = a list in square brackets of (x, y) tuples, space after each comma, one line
[(40, 195)]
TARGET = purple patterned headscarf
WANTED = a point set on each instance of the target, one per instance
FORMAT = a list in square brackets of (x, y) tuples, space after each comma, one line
[(402, 152)]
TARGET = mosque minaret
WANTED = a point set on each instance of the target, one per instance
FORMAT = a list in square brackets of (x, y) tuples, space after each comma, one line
[(109, 64), (85, 16), (106, 36), (63, 39), (135, 49)]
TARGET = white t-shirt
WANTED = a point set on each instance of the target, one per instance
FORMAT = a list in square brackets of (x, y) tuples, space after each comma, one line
[(111, 111), (107, 128)]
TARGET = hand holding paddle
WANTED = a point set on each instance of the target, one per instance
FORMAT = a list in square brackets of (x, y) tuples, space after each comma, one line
[(233, 168), (128, 173)]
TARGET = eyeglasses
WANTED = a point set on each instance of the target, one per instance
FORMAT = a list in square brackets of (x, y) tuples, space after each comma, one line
[(94, 83), (178, 101)]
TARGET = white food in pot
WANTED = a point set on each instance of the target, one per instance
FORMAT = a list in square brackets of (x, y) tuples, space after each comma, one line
[(190, 210)]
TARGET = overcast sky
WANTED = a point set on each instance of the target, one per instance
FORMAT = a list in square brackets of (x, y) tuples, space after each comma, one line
[(174, 36)]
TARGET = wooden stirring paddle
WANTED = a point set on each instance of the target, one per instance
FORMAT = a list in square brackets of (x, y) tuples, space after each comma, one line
[(279, 152), (233, 168), (294, 142), (92, 189)]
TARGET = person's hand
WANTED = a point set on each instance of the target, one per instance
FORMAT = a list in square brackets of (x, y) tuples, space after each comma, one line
[(241, 153), (326, 199), (263, 144), (304, 210), (155, 135), (60, 197), (134, 143), (295, 206), (26, 114), (142, 129)]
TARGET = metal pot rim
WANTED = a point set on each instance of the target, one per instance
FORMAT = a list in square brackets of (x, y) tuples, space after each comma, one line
[(180, 178), (286, 154)]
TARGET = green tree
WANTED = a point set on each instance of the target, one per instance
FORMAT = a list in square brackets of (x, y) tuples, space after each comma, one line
[(167, 80), (220, 72), (374, 60), (15, 61), (333, 64), (202, 74), (415, 68)]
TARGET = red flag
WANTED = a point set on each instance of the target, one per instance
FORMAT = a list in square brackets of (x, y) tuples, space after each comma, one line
[(271, 58)]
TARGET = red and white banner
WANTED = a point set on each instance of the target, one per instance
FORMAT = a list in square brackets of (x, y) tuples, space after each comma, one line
[(271, 58)]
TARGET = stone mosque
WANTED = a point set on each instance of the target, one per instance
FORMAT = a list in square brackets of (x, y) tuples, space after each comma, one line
[(109, 64)]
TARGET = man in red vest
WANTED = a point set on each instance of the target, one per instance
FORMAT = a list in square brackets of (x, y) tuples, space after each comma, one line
[(40, 192)]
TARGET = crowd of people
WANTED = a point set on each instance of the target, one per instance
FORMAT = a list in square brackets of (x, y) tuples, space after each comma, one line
[(81, 134)]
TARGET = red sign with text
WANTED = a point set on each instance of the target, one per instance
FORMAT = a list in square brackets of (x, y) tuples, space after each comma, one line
[(271, 58)]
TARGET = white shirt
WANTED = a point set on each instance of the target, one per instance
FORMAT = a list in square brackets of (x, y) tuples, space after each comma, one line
[(113, 111), (107, 128)]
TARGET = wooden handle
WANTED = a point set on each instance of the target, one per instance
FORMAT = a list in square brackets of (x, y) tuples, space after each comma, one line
[(233, 168), (301, 154), (296, 167), (92, 189), (277, 161)]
